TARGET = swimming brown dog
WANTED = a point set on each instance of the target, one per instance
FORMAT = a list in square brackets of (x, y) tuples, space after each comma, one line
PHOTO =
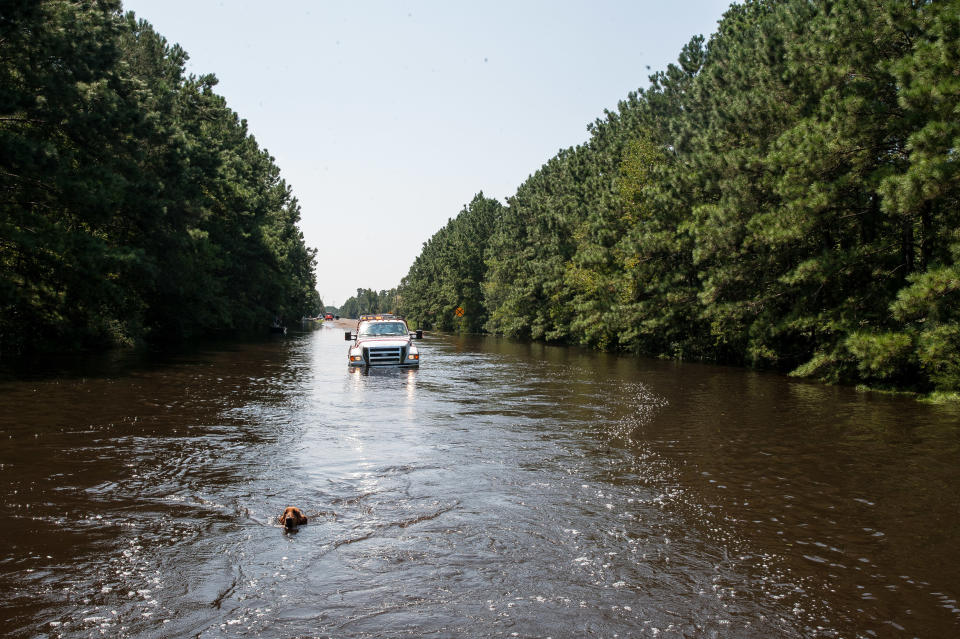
[(292, 517)]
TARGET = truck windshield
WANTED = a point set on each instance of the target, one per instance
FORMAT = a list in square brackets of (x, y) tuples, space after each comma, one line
[(384, 328)]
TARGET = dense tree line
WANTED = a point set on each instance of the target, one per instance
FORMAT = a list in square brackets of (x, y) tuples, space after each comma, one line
[(370, 301), (133, 202), (786, 195), (449, 272)]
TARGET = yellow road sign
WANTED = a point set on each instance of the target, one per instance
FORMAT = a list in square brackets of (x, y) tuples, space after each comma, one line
[(458, 312)]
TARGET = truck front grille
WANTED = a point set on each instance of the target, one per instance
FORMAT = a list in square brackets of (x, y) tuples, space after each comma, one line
[(384, 355)]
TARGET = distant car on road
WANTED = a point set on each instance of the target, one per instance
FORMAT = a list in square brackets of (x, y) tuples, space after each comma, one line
[(383, 340), (328, 316)]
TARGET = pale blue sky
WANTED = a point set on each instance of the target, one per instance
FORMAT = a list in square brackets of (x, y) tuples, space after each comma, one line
[(387, 117)]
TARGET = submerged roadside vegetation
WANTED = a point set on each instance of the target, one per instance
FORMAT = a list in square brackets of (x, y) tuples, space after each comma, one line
[(787, 196), (134, 204)]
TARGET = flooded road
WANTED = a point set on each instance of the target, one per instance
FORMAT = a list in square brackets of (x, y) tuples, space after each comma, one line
[(501, 490)]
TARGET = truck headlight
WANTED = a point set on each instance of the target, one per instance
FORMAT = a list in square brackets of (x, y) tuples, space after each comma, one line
[(413, 353)]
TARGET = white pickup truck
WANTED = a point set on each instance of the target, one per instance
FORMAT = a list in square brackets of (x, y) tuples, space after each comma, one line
[(383, 340)]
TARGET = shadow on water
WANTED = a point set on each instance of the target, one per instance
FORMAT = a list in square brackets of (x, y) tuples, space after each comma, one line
[(502, 489), (118, 361)]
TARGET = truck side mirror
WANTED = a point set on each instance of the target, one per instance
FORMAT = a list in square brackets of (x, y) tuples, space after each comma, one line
[(347, 335), (419, 334)]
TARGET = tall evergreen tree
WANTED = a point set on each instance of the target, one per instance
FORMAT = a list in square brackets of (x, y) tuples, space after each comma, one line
[(450, 270), (133, 203)]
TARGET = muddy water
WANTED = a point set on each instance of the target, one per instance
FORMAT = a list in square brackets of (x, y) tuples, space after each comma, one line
[(501, 490)]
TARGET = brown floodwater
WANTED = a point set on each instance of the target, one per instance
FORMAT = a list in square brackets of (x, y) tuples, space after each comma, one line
[(502, 490)]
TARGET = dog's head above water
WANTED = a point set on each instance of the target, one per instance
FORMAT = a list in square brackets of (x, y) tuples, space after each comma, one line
[(292, 517)]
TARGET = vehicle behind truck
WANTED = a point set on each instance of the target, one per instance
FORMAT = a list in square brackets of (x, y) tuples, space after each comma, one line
[(383, 340)]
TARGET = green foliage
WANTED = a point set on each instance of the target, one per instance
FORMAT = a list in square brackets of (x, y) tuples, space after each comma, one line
[(369, 301), (787, 195), (449, 271), (881, 357), (134, 203)]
